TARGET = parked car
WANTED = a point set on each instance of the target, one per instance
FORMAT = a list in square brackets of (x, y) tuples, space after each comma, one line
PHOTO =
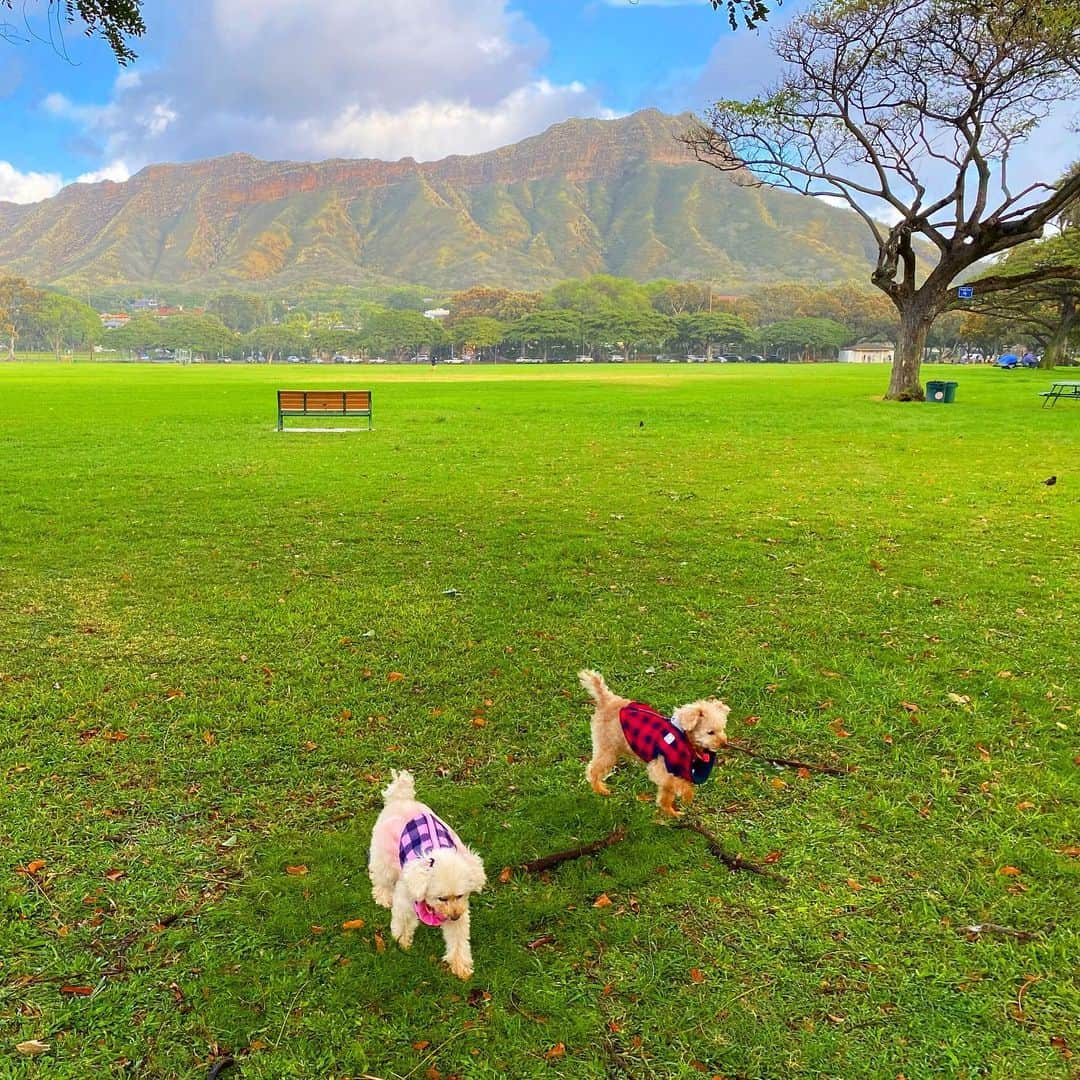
[(775, 358), (583, 360), (529, 360), (729, 358), (617, 358), (755, 358), (695, 359)]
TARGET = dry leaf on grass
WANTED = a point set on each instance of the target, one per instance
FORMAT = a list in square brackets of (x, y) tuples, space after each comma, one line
[(296, 871), (603, 900), (32, 1047), (352, 924)]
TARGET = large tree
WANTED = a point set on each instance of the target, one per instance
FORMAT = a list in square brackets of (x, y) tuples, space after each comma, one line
[(18, 303), (62, 322), (911, 111), (117, 21)]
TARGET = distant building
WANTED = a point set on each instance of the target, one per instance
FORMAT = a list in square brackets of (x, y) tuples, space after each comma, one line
[(438, 314), (868, 352), (142, 304), (114, 321)]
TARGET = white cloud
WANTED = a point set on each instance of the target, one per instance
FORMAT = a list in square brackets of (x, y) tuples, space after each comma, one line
[(28, 187), (118, 172), (31, 187), (357, 78)]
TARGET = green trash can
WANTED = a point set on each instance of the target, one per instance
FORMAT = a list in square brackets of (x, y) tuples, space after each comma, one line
[(935, 391), (950, 392)]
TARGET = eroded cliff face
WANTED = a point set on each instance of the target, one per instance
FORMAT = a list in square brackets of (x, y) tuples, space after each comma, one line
[(621, 196)]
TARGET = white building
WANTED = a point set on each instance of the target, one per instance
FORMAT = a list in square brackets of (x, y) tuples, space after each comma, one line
[(438, 314), (868, 352)]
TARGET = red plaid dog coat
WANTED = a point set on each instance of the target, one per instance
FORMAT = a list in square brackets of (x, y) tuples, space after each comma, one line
[(650, 735)]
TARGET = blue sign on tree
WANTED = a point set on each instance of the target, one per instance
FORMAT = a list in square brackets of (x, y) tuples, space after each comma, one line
[(966, 292)]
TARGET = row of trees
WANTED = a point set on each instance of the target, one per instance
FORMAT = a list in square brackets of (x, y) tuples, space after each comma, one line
[(598, 314)]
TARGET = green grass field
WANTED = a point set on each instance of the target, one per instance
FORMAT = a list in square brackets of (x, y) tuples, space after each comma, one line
[(216, 641)]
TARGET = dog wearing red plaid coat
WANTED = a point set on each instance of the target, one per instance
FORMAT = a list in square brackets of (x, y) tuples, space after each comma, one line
[(679, 751)]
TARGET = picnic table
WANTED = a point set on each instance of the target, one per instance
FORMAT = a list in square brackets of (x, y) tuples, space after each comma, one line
[(1063, 388)]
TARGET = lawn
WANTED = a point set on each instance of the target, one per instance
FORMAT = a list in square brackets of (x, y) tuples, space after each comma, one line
[(216, 642)]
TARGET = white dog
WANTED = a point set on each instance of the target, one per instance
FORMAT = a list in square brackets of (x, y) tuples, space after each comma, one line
[(420, 869)]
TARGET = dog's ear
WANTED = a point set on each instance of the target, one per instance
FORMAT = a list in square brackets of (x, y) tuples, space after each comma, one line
[(475, 878), (690, 717), (415, 875)]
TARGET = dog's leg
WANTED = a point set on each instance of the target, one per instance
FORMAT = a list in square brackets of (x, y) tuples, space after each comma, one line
[(665, 799), (403, 920), (603, 761), (458, 950), (666, 786), (383, 876)]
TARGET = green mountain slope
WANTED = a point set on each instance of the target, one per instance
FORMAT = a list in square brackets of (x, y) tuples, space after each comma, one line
[(587, 196)]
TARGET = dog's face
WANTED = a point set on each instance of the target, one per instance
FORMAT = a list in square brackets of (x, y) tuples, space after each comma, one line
[(445, 881), (705, 723)]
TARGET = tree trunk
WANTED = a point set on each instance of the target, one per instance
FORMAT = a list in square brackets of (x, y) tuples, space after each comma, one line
[(1054, 352), (904, 384)]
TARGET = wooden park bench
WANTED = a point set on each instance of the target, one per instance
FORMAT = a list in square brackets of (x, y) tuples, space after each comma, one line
[(323, 403)]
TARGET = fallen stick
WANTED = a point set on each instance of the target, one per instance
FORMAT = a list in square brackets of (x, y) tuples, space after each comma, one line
[(791, 763), (735, 862), (558, 857)]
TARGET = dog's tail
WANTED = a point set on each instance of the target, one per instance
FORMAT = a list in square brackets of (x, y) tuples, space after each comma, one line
[(401, 787), (593, 681)]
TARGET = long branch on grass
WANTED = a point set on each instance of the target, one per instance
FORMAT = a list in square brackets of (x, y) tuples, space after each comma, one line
[(734, 862), (791, 763), (548, 861)]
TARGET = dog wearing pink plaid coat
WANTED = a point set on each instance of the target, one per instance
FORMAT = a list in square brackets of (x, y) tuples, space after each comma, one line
[(422, 871), (678, 750)]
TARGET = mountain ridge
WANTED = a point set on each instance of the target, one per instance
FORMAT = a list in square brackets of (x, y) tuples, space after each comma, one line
[(585, 196)]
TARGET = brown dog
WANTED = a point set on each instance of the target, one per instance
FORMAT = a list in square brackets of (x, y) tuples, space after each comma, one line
[(679, 750)]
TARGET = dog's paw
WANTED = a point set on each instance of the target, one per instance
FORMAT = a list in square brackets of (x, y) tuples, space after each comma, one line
[(383, 897), (600, 788), (461, 967)]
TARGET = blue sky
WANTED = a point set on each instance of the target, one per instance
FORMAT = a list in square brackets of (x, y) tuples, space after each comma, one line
[(350, 78)]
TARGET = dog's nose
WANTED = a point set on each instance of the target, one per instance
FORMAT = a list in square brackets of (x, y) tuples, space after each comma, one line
[(454, 918)]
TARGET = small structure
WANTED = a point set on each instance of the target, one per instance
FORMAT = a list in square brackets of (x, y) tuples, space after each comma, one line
[(868, 352), (437, 314)]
